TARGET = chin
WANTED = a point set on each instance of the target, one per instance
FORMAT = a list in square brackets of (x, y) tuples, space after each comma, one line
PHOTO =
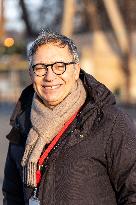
[(51, 101)]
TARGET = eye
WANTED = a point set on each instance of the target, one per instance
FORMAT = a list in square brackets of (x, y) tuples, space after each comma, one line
[(38, 67), (59, 66)]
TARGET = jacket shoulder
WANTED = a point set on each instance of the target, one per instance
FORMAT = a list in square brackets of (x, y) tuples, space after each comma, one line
[(23, 102), (120, 116), (22, 108), (123, 132)]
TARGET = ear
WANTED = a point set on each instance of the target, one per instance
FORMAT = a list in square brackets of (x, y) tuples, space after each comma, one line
[(77, 70)]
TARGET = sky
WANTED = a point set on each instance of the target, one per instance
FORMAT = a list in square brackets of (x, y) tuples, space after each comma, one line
[(12, 14)]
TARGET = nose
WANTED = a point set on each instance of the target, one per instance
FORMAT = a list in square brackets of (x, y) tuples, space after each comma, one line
[(49, 75)]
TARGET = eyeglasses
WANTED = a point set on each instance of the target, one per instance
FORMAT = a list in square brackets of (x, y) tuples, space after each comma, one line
[(40, 69)]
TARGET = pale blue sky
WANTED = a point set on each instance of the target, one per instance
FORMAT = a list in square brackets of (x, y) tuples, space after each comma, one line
[(13, 12)]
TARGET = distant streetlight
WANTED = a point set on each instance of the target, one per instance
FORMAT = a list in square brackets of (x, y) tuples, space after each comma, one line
[(8, 42)]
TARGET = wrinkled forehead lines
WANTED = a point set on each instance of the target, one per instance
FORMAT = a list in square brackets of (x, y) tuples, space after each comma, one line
[(65, 54)]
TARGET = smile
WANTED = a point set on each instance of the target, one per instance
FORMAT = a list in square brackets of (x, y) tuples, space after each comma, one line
[(51, 86)]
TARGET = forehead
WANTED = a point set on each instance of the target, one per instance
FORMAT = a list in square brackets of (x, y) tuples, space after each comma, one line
[(50, 53)]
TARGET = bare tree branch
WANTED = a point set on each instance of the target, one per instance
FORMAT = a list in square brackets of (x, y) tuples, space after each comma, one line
[(26, 18)]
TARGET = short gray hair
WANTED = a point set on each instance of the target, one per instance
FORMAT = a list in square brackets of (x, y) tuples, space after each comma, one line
[(46, 37)]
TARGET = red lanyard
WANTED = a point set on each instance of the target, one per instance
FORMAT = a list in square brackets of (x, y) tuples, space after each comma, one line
[(50, 147)]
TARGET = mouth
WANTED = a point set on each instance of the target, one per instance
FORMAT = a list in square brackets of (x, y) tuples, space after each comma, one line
[(51, 87)]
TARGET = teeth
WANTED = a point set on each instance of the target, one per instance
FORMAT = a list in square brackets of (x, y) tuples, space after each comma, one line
[(52, 87)]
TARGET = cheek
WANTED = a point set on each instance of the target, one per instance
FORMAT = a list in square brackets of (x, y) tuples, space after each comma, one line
[(37, 87), (68, 76), (69, 83), (36, 83)]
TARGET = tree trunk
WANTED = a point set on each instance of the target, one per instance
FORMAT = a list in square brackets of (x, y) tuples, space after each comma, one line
[(68, 17), (91, 11), (117, 23), (26, 19), (99, 37), (123, 39)]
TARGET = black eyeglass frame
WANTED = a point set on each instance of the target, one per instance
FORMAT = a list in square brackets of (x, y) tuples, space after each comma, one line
[(47, 65)]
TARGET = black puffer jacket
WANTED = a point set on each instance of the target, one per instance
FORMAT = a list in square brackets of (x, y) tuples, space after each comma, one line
[(94, 162)]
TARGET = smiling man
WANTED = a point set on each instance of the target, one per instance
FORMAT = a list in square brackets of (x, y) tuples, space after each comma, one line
[(69, 144), (55, 71)]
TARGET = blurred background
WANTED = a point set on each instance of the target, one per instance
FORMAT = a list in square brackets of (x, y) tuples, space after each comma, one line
[(105, 34)]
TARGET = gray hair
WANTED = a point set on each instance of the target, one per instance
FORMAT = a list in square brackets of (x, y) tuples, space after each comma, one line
[(46, 37)]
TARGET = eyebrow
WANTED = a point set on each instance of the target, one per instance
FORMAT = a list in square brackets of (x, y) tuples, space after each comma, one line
[(50, 63)]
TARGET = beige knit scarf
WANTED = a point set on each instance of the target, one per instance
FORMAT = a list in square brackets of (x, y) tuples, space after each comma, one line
[(46, 123)]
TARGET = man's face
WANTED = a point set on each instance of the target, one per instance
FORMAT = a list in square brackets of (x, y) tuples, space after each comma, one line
[(52, 88)]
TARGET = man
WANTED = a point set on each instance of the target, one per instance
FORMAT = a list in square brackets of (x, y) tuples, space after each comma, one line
[(69, 144)]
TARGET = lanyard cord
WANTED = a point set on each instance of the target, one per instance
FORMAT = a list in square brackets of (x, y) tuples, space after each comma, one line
[(51, 146)]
